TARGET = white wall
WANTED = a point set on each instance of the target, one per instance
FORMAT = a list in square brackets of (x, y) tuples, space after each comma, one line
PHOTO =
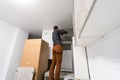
[(82, 9), (47, 36), (80, 62), (104, 57), (11, 45), (67, 61)]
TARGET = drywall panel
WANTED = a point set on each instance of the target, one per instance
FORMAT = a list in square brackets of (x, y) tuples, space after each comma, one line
[(104, 18), (82, 9), (7, 33), (17, 50), (80, 63), (9, 48), (47, 36), (104, 57), (67, 61)]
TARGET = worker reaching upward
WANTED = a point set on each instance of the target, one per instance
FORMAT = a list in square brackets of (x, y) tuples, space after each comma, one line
[(57, 52)]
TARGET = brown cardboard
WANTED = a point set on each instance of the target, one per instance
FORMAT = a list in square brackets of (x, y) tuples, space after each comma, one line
[(36, 55)]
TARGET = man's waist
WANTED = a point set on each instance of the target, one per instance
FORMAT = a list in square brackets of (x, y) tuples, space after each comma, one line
[(57, 44)]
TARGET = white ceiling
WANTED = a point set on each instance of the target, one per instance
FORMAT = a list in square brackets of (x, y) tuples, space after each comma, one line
[(37, 15)]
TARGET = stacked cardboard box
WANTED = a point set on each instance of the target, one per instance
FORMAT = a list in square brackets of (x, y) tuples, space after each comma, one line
[(35, 55)]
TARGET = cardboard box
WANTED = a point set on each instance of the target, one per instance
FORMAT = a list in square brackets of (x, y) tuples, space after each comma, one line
[(35, 55)]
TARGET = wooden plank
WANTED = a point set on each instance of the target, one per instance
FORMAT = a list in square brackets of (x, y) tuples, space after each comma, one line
[(43, 64), (31, 55), (36, 55)]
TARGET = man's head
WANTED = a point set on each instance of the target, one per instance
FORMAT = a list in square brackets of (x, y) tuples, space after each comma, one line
[(55, 27)]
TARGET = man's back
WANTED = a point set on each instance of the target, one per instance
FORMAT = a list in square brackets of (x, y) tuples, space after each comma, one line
[(56, 36)]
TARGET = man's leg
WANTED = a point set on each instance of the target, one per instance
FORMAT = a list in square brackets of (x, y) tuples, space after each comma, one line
[(58, 62), (52, 66), (58, 66)]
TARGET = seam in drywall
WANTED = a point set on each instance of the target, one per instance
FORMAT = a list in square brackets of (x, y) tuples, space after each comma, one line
[(87, 63), (105, 35)]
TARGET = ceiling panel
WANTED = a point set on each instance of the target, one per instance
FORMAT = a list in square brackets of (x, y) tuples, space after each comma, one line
[(36, 15)]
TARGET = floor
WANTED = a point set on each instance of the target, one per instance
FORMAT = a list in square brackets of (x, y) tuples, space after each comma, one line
[(62, 75)]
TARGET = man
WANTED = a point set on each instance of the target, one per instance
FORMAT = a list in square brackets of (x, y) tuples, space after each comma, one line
[(57, 52)]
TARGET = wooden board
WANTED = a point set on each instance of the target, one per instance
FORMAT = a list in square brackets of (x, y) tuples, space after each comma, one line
[(43, 64), (36, 55)]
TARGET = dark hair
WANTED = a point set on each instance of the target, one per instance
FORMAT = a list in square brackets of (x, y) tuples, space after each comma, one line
[(55, 27)]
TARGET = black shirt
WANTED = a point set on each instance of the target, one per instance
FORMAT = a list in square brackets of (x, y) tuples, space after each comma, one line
[(56, 36)]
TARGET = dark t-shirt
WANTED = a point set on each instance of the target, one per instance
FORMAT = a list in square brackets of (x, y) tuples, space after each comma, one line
[(56, 36)]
